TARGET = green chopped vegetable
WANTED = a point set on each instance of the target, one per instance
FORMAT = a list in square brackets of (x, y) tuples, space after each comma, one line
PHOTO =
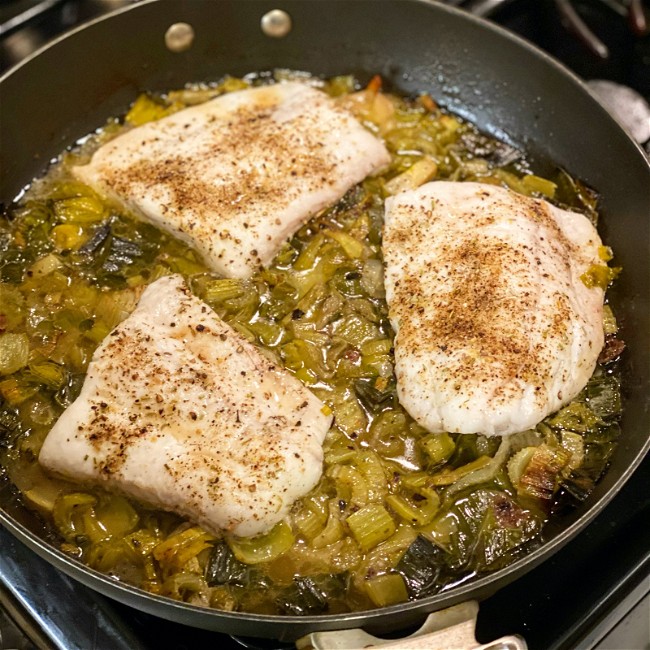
[(262, 548), (178, 549), (438, 447), (387, 589), (541, 475), (371, 525), (14, 352), (599, 275), (223, 568), (419, 510), (539, 185), (421, 566), (417, 174), (311, 595)]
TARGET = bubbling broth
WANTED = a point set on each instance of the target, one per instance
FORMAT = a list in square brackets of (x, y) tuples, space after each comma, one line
[(399, 513)]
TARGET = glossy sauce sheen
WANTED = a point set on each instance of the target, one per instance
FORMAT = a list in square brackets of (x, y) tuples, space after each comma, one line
[(181, 412), (495, 329), (235, 177)]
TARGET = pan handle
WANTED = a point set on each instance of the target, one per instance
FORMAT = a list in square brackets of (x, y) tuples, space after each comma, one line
[(448, 629)]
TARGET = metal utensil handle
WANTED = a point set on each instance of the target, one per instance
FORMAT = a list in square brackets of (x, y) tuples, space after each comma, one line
[(448, 629)]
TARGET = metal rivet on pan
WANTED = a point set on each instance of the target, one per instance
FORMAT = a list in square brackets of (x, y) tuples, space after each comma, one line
[(276, 23), (179, 37)]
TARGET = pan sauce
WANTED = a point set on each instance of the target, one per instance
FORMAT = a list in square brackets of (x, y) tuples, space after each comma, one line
[(399, 513)]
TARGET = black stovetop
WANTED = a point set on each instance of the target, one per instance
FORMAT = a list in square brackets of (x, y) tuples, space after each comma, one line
[(568, 602)]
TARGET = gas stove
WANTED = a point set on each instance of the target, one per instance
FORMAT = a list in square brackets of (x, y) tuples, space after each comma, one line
[(592, 594)]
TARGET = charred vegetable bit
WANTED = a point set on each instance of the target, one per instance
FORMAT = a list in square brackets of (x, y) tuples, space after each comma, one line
[(400, 513), (223, 568), (311, 595), (421, 567)]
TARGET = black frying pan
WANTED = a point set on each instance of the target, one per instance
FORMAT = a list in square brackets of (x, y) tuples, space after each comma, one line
[(473, 68)]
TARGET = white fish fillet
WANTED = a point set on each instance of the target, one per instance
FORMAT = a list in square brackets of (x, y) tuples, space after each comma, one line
[(495, 329), (179, 411), (235, 177)]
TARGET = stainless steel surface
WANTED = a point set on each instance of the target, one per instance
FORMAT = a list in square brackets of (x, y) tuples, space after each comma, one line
[(627, 105), (627, 626), (47, 601), (28, 15)]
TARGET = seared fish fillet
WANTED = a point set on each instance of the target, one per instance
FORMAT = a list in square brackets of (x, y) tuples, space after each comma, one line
[(237, 176), (179, 411), (495, 329)]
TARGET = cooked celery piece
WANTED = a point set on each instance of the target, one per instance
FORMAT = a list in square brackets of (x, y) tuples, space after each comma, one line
[(68, 513), (12, 306), (417, 174), (184, 586), (484, 474), (438, 447), (309, 254), (14, 352), (106, 555), (371, 525), (351, 485), (355, 330), (372, 278), (309, 523), (340, 453), (263, 548), (599, 275), (333, 530), (388, 424), (539, 185), (377, 347), (448, 476), (419, 510), (349, 416), (49, 374), (268, 332), (577, 416), (45, 265), (541, 476), (352, 247), (304, 359), (385, 556), (575, 445), (374, 472), (179, 548), (68, 236), (146, 109), (15, 392), (217, 291), (117, 516), (518, 463), (399, 511), (43, 495), (79, 209), (388, 589), (610, 326)]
